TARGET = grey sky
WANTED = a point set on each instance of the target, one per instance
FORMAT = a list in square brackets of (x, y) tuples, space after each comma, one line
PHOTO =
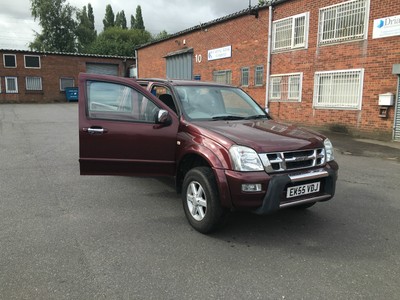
[(17, 24)]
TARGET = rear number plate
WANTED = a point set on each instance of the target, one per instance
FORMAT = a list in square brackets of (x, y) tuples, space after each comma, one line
[(304, 189)]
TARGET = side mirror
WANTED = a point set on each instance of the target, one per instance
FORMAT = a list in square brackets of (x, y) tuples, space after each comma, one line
[(163, 117)]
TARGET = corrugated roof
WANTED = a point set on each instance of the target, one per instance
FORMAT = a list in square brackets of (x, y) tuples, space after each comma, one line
[(66, 54), (235, 15)]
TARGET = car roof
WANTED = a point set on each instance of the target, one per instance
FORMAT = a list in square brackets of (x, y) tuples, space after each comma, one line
[(178, 82)]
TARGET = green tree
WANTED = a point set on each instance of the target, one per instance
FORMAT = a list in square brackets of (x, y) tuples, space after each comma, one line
[(118, 41), (58, 26), (262, 2), (109, 18), (161, 35), (120, 20), (133, 21), (38, 43), (91, 17), (139, 24), (85, 32)]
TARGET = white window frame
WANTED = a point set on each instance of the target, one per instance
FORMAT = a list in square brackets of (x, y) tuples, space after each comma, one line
[(292, 24), (291, 90), (62, 88), (38, 56), (8, 90), (336, 95), (37, 86), (281, 87), (4, 60), (223, 76), (335, 9), (243, 77), (259, 70), (275, 94)]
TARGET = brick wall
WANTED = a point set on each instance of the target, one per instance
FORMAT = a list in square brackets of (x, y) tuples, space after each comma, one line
[(53, 67), (375, 56), (249, 37), (246, 34)]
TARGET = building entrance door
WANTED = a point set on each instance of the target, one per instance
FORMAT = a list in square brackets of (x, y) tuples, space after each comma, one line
[(179, 65)]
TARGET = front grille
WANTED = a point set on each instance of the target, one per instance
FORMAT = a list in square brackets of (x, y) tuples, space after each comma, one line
[(292, 160)]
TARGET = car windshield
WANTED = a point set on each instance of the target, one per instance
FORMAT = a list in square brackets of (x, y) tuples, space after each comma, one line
[(218, 103)]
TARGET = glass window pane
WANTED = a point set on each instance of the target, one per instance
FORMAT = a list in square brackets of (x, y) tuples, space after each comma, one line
[(11, 85), (245, 77), (9, 61), (259, 76), (340, 89), (32, 61), (66, 82), (33, 83), (119, 102), (345, 21)]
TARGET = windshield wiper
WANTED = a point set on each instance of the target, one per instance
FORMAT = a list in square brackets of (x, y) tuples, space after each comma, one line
[(257, 117), (227, 117)]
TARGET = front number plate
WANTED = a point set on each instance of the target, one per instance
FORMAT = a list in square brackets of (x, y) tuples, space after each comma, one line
[(304, 189)]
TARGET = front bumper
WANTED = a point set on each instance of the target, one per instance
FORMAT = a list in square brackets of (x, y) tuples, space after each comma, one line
[(274, 187)]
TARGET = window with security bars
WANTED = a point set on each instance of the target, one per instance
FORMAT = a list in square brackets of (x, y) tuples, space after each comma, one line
[(338, 89), (245, 76), (343, 22), (66, 82), (286, 87), (259, 76), (290, 33), (11, 85), (33, 83), (223, 76)]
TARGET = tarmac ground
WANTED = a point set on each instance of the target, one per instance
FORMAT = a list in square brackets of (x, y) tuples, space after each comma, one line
[(348, 145)]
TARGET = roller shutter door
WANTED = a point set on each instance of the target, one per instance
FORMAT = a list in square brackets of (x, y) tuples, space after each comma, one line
[(179, 66), (105, 69), (396, 132)]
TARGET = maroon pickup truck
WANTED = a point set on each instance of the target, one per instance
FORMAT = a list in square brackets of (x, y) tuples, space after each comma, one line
[(222, 148)]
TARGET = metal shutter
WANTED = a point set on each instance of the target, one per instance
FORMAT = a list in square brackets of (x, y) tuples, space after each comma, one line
[(105, 69), (396, 132), (180, 66)]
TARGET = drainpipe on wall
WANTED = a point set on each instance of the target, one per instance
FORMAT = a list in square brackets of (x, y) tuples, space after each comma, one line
[(268, 57), (136, 64)]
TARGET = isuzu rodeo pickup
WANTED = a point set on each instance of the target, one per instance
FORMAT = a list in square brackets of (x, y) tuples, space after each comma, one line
[(221, 147)]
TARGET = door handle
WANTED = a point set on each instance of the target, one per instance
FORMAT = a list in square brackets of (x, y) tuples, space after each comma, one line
[(95, 130)]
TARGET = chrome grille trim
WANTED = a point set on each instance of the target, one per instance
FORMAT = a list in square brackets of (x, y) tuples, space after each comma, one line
[(293, 160)]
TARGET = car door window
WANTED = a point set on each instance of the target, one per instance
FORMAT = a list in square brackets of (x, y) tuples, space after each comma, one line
[(118, 102), (165, 95)]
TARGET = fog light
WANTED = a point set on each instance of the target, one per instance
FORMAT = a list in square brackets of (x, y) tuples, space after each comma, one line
[(251, 187)]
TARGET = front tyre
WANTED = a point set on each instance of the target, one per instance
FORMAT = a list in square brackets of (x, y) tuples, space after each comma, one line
[(201, 200)]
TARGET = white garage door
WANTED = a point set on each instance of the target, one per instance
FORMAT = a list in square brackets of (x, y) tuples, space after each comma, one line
[(106, 69)]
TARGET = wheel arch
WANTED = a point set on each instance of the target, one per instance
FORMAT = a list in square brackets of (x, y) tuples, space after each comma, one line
[(204, 157)]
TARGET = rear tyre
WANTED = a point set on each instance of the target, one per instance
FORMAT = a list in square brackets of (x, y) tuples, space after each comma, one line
[(200, 200)]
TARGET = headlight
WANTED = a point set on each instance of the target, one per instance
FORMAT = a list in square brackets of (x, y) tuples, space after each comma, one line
[(245, 159), (328, 150)]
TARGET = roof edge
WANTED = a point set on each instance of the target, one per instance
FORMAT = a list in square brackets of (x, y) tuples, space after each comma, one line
[(235, 15), (66, 54)]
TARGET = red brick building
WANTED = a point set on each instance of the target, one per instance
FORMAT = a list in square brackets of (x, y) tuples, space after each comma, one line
[(329, 63), (39, 77)]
